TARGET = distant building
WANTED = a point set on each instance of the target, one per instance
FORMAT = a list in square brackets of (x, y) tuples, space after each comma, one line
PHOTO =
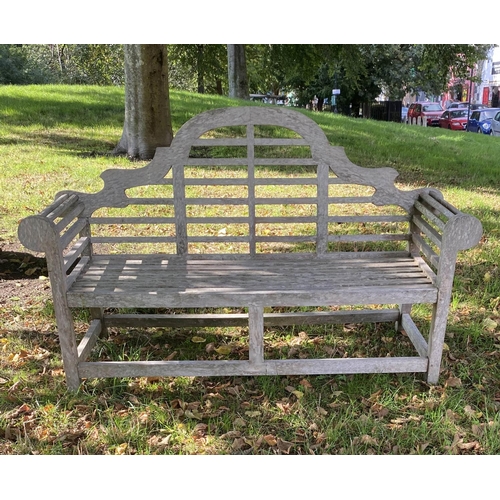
[(487, 91)]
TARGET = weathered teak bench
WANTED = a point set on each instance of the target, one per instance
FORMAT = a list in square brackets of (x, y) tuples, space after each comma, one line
[(250, 208)]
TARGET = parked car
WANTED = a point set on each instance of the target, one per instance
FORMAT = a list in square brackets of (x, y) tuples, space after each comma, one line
[(430, 111), (480, 120), (454, 119), (455, 105), (495, 125)]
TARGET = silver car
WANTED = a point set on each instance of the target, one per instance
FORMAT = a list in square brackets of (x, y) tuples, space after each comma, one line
[(495, 125)]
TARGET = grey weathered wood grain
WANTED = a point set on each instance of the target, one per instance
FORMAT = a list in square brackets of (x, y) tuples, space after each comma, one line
[(269, 367), (72, 232), (426, 228), (241, 319), (60, 206), (89, 340), (414, 335), (76, 251), (70, 216), (427, 213), (432, 230)]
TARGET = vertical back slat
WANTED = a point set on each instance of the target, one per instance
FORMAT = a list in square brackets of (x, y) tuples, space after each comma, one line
[(322, 209), (251, 187), (180, 209)]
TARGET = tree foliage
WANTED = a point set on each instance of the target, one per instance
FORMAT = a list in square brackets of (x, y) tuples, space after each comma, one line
[(198, 68), (93, 64)]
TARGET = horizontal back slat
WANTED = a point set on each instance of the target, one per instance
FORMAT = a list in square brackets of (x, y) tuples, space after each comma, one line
[(150, 201), (291, 181), (369, 218), (132, 220), (244, 142), (215, 182), (134, 239), (285, 220), (368, 237), (244, 161)]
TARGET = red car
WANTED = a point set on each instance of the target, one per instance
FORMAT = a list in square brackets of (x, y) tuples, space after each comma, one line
[(454, 119), (428, 111)]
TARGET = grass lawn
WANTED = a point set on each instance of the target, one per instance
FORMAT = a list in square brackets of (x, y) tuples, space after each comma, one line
[(55, 137)]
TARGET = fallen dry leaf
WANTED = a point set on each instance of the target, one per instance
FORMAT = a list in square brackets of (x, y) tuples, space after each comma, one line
[(451, 415), (489, 325), (253, 414), (121, 449), (193, 414), (239, 422), (238, 444), (284, 446), (365, 439), (270, 440), (284, 407), (144, 417), (200, 430), (159, 442), (474, 445), (478, 430), (379, 410), (306, 384), (198, 340), (404, 420), (171, 356), (453, 382), (231, 435), (224, 350)]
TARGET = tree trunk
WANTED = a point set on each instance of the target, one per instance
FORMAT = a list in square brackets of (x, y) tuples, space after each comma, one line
[(237, 72), (200, 66), (218, 86), (147, 105)]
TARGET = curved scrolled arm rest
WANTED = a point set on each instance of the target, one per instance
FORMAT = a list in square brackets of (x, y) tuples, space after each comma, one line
[(37, 233), (462, 231)]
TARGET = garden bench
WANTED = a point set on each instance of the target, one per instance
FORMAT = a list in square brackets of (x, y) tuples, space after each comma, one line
[(250, 208)]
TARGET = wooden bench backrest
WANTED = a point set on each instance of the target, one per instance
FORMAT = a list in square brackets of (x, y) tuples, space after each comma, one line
[(251, 180)]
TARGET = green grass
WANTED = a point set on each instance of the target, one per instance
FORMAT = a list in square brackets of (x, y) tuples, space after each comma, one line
[(55, 137)]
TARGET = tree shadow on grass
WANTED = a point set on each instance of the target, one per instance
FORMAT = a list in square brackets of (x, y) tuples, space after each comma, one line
[(21, 266)]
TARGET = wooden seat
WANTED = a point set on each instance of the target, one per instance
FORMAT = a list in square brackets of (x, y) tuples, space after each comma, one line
[(166, 281)]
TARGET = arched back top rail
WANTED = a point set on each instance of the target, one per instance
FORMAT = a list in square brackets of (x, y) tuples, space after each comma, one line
[(117, 181)]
